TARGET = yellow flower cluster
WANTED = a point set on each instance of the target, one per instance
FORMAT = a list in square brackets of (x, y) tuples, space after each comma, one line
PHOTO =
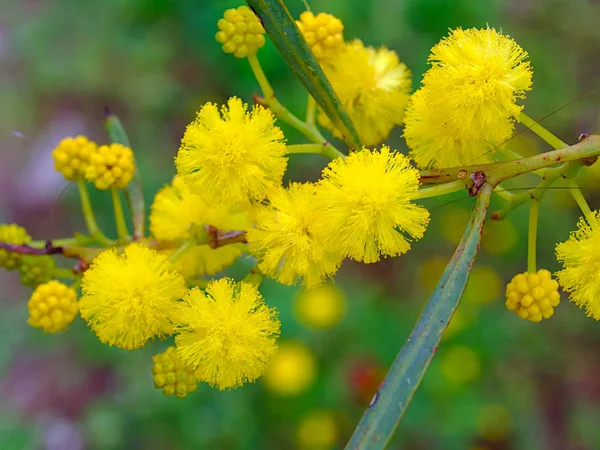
[(233, 158), (171, 375), (111, 166), (12, 234), (240, 32), (36, 270), (323, 33), (72, 156), (175, 209), (580, 256), (292, 370), (226, 333), (373, 87), (52, 307), (468, 102), (533, 296)]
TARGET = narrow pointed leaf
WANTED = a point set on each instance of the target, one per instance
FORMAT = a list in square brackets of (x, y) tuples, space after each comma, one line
[(133, 192), (282, 29), (387, 408)]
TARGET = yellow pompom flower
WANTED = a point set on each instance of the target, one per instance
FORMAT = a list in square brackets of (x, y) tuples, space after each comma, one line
[(533, 296), (226, 333), (323, 34), (373, 86), (233, 158), (240, 32), (127, 298), (111, 166), (318, 430), (72, 156), (36, 270), (52, 307), (468, 103), (580, 256), (176, 208), (366, 198), (321, 307), (12, 234), (289, 238), (171, 375), (292, 370)]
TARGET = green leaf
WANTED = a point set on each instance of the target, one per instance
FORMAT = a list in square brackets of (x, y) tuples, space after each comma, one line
[(383, 415), (134, 194), (282, 29)]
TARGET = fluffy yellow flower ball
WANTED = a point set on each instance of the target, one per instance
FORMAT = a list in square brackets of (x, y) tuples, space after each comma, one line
[(129, 298), (111, 166), (226, 333), (373, 86), (323, 33), (321, 307), (233, 157), (292, 370), (533, 296), (171, 375), (72, 156), (52, 307), (12, 234), (289, 240), (240, 32)]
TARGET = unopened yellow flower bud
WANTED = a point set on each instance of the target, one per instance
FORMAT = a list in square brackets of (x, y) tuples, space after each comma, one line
[(12, 234), (323, 33), (240, 32), (52, 307), (111, 166), (72, 156), (533, 296), (36, 270), (172, 376)]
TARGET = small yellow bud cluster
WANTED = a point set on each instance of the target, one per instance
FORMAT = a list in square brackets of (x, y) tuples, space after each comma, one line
[(52, 307), (36, 270), (111, 166), (72, 157), (323, 33), (12, 234), (240, 32), (172, 375), (533, 296)]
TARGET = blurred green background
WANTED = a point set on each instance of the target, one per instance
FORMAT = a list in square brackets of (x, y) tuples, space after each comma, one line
[(497, 383)]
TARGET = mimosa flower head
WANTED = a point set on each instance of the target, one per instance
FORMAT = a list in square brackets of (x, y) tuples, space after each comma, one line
[(240, 32), (373, 86), (176, 208), (323, 33), (580, 256), (72, 155), (111, 166), (226, 333), (128, 298), (289, 238), (366, 200), (12, 234), (52, 306), (533, 296), (233, 157)]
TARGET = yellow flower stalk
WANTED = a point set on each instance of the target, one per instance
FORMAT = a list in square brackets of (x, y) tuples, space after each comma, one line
[(373, 86), (240, 32), (323, 33), (289, 237), (128, 298), (233, 157), (175, 209), (366, 202), (580, 256), (72, 157), (226, 333)]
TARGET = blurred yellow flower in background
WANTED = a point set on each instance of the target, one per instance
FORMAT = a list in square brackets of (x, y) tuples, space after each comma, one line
[(292, 370), (321, 307), (460, 365), (317, 430)]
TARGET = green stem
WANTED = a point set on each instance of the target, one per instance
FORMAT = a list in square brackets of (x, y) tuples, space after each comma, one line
[(440, 189), (311, 108), (122, 231), (255, 277), (66, 274), (541, 131), (88, 215), (325, 149), (534, 212), (281, 111), (504, 194), (580, 199), (183, 248), (391, 401)]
